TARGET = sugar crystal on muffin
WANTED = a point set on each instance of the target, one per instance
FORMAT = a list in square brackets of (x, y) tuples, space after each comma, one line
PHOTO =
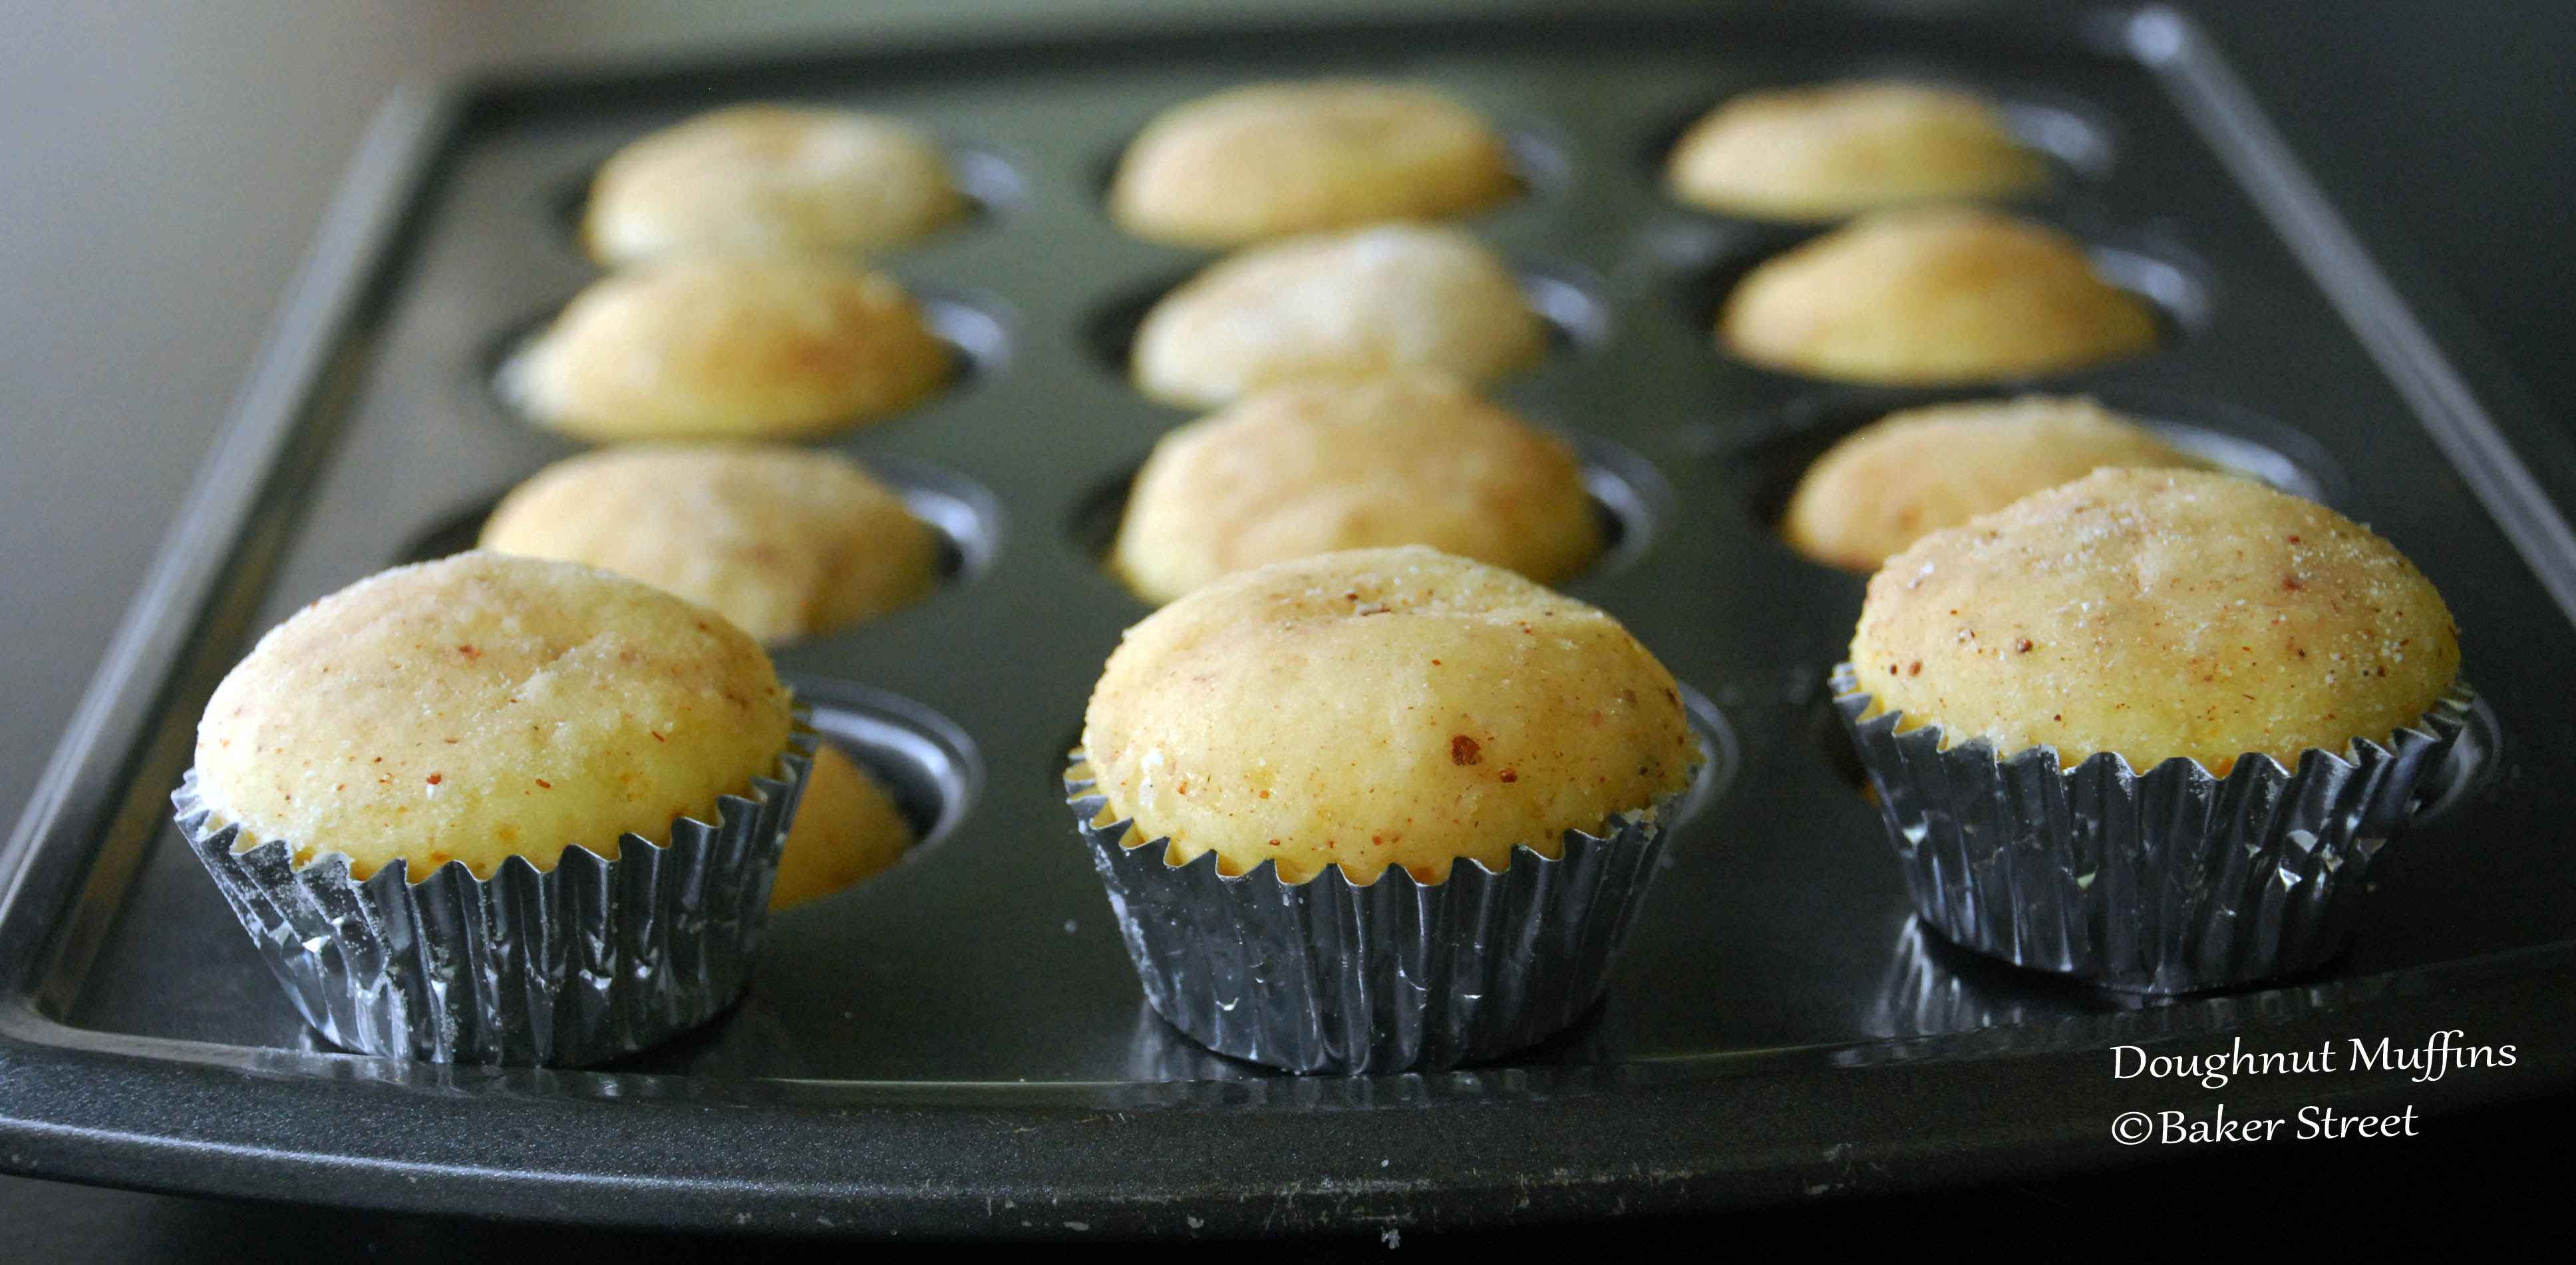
[(1381, 707), (482, 707), (2157, 614)]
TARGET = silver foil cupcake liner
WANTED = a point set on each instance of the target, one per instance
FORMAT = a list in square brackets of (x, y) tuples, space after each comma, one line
[(561, 967), (2169, 881), (1330, 976), (1935, 989)]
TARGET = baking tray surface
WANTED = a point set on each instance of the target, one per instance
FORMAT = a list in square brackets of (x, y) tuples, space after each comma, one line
[(960, 1046)]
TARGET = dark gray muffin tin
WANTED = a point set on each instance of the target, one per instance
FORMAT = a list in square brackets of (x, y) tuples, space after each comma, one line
[(960, 1047)]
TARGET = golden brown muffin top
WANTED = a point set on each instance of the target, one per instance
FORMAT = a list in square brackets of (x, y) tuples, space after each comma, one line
[(2157, 613), (767, 177), (482, 707), (1316, 467), (1933, 295), (728, 347), (1883, 486), (1824, 152), (1345, 306), (1271, 159), (847, 829), (1380, 707), (784, 542)]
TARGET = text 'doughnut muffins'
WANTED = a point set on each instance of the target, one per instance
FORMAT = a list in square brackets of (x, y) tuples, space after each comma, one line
[(2150, 728), (1884, 486), (784, 542), (1379, 809), (1826, 152), (499, 810), (1268, 160), (728, 347), (756, 178), (1933, 295), (1319, 467), (1343, 305)]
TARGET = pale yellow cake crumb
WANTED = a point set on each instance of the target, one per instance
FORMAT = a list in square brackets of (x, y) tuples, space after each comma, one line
[(2157, 613), (785, 542), (1342, 306), (1883, 486), (1832, 150), (847, 830), (729, 347), (1381, 707), (1273, 159), (1316, 467), (483, 707), (767, 177), (1933, 295)]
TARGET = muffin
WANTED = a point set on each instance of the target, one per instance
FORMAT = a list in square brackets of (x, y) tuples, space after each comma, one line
[(1345, 306), (498, 809), (1822, 153), (1268, 160), (762, 178), (2150, 727), (847, 829), (1318, 467), (1283, 771), (1930, 296), (785, 543), (1883, 486), (728, 347)]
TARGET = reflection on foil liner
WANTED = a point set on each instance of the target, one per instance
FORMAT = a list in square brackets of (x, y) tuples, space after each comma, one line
[(563, 967), (1934, 988), (2167, 881), (1327, 976), (1160, 1052)]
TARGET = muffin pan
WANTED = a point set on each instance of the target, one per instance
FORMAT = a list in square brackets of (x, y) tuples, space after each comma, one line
[(960, 1046)]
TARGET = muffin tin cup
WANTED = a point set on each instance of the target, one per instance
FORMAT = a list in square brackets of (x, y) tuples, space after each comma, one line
[(1331, 976), (2170, 881), (563, 967)]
